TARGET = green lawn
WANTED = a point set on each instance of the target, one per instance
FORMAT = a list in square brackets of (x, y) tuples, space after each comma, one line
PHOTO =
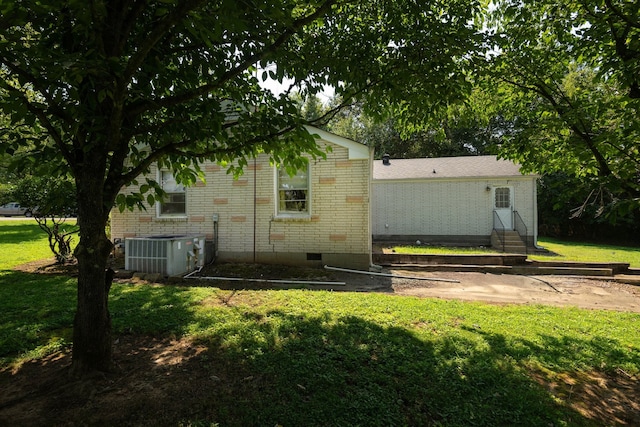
[(337, 358), (559, 250), (562, 250)]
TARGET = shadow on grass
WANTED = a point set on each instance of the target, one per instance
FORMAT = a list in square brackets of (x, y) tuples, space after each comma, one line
[(20, 232), (38, 311), (247, 367), (348, 371)]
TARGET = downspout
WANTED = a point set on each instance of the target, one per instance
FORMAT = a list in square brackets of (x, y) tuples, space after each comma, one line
[(372, 266), (535, 213), (255, 174)]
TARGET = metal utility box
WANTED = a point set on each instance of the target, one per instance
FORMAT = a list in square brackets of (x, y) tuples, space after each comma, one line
[(167, 255)]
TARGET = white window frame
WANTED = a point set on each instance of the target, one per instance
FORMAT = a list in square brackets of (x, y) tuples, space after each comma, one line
[(180, 189), (291, 213)]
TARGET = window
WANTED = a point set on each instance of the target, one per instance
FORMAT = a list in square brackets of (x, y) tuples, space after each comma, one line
[(175, 201), (503, 198), (293, 192)]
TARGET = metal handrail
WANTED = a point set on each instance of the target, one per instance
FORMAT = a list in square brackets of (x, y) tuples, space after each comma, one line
[(521, 228), (497, 221)]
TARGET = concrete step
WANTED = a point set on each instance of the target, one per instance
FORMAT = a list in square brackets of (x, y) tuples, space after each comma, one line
[(513, 242), (425, 259), (508, 241), (562, 271), (512, 237), (616, 267), (502, 263), (508, 269)]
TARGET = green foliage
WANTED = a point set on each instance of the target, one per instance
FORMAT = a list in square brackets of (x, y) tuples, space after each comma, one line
[(46, 197), (570, 207), (313, 109), (50, 201), (564, 250), (178, 86), (459, 129), (101, 91), (567, 76)]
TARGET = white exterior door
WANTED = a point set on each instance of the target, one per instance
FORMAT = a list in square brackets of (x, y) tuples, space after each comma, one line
[(503, 207)]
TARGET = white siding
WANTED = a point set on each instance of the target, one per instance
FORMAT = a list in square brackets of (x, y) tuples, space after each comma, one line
[(444, 207)]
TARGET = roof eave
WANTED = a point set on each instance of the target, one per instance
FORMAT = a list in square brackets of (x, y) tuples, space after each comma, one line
[(470, 178)]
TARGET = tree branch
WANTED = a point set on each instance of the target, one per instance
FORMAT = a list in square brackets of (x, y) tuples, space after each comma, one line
[(160, 31), (175, 148), (53, 107), (125, 22), (44, 120), (626, 18), (149, 160), (238, 69), (603, 166), (346, 102)]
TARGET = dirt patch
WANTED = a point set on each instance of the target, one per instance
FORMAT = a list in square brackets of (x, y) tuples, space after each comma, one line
[(578, 291), (562, 291), (49, 266)]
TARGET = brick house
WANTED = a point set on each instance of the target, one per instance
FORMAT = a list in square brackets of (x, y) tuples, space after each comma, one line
[(319, 216), (453, 200)]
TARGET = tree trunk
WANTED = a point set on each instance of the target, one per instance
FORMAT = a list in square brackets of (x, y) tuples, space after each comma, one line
[(92, 324)]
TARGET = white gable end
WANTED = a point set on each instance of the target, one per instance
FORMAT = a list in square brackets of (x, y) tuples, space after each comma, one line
[(357, 151)]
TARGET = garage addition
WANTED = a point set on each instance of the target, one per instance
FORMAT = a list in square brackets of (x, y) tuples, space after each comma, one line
[(453, 200)]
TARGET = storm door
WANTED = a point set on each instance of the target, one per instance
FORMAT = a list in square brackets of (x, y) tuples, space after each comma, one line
[(503, 207)]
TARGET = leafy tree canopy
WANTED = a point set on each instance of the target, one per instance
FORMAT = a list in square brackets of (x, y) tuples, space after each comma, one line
[(104, 89), (566, 75), (461, 129), (50, 202)]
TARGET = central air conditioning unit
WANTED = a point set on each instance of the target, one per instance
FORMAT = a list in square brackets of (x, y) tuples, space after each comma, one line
[(166, 255)]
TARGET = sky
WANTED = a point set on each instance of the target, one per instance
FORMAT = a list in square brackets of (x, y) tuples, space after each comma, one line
[(277, 88)]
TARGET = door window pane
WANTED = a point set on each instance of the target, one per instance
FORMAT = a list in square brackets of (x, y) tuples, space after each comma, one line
[(502, 198)]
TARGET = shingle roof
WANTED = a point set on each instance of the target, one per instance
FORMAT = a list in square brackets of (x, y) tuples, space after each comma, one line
[(445, 167)]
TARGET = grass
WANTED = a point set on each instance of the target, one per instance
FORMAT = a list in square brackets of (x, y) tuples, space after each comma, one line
[(36, 310), (560, 250), (325, 358), (587, 252), (21, 241)]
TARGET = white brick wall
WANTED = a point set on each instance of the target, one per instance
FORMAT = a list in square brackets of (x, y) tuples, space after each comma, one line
[(339, 220)]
